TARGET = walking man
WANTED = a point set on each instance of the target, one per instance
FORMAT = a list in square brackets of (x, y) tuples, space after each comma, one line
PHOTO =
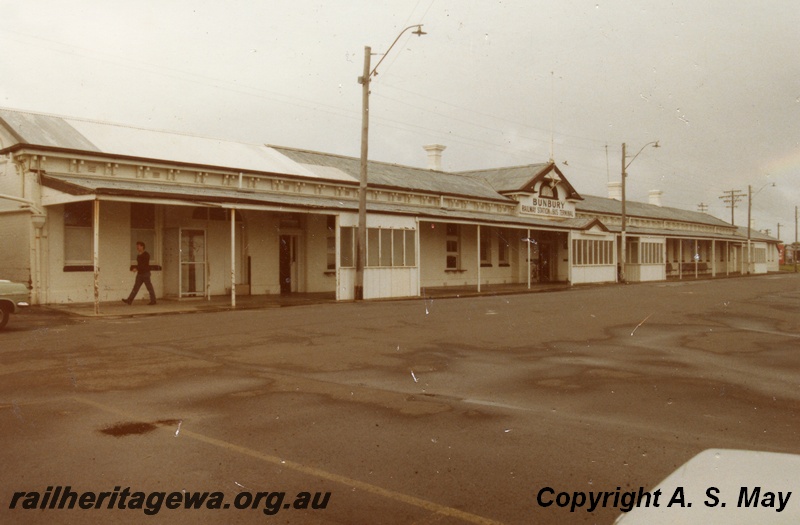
[(142, 270)]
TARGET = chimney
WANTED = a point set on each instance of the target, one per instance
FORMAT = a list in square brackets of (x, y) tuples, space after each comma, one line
[(434, 156), (655, 197), (615, 191)]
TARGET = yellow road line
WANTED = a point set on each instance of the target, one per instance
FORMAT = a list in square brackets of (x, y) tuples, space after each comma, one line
[(366, 487)]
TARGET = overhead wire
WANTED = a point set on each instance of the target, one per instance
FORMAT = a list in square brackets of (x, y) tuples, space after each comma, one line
[(261, 93)]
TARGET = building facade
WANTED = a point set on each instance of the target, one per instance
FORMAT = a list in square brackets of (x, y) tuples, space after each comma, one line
[(227, 218)]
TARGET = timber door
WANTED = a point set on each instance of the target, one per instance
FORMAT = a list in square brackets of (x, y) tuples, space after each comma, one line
[(288, 263), (545, 262)]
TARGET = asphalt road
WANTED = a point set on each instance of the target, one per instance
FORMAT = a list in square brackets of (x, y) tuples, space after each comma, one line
[(418, 411)]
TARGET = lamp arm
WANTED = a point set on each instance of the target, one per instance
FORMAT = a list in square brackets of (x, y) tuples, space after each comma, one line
[(375, 69), (654, 144), (771, 184)]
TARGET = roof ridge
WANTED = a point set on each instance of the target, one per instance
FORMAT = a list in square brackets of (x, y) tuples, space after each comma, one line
[(468, 172), (695, 213), (371, 161), (127, 126)]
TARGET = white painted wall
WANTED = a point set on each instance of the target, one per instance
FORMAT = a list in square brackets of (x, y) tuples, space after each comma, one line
[(116, 279), (16, 232), (345, 283), (262, 236), (645, 272), (317, 276), (598, 273), (594, 274), (772, 262), (380, 283), (433, 256), (773, 258), (15, 244)]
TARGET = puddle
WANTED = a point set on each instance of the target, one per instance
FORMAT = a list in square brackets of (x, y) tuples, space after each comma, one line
[(131, 428), (128, 429)]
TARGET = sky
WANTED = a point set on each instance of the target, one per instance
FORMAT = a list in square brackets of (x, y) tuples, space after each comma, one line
[(499, 83)]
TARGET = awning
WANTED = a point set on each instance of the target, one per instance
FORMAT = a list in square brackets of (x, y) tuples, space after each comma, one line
[(133, 190)]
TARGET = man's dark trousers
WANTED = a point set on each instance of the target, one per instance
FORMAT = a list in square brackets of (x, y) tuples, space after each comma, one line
[(142, 278)]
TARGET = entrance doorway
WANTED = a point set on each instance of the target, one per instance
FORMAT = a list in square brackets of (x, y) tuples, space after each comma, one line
[(544, 270), (545, 248), (192, 266), (287, 257)]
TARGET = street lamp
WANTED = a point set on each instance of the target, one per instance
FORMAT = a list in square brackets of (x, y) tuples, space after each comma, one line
[(364, 80), (625, 165), (750, 196)]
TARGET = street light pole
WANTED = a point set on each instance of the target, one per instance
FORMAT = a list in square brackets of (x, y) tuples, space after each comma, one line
[(624, 247), (361, 240), (749, 210), (750, 196)]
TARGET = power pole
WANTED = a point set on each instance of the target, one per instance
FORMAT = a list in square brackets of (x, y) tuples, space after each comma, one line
[(361, 240), (779, 231), (624, 247), (794, 251), (731, 198), (702, 207), (749, 223)]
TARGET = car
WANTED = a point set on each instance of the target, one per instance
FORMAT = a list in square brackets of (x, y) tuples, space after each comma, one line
[(727, 487), (13, 296)]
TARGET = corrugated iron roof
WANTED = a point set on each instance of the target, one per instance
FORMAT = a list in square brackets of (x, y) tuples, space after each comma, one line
[(112, 139), (592, 204), (667, 232), (507, 179), (397, 176), (44, 130), (755, 235)]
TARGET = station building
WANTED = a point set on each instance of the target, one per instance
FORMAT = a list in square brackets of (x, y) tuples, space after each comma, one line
[(221, 217)]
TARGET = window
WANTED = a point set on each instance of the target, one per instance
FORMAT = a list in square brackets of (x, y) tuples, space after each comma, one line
[(486, 246), (347, 256), (330, 239), (388, 247), (373, 247), (632, 251), (143, 229), (548, 190), (398, 248), (652, 253), (411, 248), (453, 247), (78, 233), (502, 247), (760, 255), (587, 252)]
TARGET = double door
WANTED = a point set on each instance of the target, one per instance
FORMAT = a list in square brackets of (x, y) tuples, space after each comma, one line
[(185, 272)]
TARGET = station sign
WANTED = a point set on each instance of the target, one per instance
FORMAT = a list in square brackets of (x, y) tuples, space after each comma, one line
[(547, 207)]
